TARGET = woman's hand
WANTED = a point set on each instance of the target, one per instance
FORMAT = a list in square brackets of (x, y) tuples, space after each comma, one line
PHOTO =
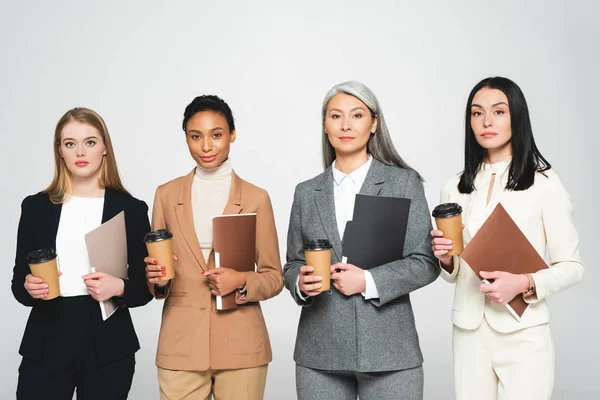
[(348, 278), (309, 284), (223, 281), (155, 272), (505, 286), (102, 286), (441, 247), (36, 287)]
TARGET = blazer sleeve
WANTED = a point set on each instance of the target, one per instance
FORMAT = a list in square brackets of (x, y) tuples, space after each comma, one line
[(445, 198), (137, 225), (267, 280), (25, 244), (566, 268), (295, 253), (418, 267)]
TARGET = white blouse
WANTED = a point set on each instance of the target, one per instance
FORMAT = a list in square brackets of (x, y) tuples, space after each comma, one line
[(78, 216)]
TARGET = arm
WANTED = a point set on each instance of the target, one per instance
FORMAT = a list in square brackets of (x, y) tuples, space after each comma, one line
[(566, 268), (25, 244), (418, 268), (295, 254), (136, 290), (158, 222), (267, 281)]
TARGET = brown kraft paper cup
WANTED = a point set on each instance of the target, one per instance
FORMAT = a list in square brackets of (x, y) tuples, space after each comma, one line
[(318, 255), (44, 265), (448, 218), (160, 247)]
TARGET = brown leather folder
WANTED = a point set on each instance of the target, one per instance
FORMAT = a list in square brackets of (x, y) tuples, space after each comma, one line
[(107, 250), (499, 245), (234, 242)]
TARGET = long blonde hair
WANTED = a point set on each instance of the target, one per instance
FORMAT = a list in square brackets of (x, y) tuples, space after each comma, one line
[(60, 189)]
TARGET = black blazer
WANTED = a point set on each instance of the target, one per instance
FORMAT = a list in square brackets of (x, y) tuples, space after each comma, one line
[(114, 338)]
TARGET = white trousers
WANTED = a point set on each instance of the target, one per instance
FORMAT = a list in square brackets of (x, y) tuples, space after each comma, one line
[(490, 365)]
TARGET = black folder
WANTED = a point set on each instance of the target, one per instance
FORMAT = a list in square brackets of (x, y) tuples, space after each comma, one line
[(376, 234)]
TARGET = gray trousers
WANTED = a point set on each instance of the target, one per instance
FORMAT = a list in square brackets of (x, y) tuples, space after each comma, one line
[(314, 384)]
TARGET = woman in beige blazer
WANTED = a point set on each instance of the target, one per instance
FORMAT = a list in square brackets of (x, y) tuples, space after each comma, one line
[(495, 355), (202, 351)]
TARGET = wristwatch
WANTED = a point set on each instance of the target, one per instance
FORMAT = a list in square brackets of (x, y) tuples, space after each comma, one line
[(531, 290)]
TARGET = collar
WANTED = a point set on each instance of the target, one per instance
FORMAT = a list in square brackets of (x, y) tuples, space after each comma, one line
[(357, 176)]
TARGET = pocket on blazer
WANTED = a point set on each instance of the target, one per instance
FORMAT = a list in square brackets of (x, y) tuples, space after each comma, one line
[(175, 337), (247, 332)]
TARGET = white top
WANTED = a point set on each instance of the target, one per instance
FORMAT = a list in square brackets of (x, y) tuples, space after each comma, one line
[(78, 216), (345, 189), (210, 192), (544, 214)]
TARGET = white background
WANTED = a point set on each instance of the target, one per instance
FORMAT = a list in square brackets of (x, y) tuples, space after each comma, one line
[(139, 63)]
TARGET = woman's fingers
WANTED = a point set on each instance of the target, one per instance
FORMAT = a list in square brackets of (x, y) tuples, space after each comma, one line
[(310, 278), (306, 269), (311, 287)]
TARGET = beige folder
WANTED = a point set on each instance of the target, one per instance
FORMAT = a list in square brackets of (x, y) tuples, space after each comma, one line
[(234, 241), (499, 245), (107, 250)]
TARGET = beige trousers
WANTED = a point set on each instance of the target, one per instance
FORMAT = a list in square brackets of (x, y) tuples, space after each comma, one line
[(490, 365), (229, 384)]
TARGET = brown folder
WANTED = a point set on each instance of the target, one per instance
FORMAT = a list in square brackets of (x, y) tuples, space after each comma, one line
[(234, 242), (107, 250), (499, 245)]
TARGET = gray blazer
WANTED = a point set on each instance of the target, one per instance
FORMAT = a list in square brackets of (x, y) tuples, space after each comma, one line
[(338, 332)]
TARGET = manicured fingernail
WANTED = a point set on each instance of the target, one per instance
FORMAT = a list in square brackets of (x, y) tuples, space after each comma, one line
[(164, 273), (162, 267), (154, 262), (203, 272), (158, 278)]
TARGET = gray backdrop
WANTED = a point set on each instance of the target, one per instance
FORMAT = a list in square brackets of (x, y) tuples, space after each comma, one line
[(139, 63)]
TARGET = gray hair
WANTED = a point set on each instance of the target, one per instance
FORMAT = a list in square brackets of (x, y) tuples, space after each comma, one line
[(380, 144)]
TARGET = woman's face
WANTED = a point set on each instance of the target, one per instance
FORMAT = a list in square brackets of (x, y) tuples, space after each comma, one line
[(208, 138), (490, 119), (82, 149), (348, 124)]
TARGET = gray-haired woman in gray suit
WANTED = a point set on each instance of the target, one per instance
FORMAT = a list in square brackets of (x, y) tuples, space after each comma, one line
[(360, 339)]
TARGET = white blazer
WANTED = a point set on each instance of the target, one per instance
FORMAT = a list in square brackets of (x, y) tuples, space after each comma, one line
[(544, 214)]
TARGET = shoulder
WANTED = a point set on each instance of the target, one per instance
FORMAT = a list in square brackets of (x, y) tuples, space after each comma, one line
[(173, 185), (252, 190), (313, 183), (168, 192), (548, 182), (127, 201), (35, 200), (397, 174), (451, 184)]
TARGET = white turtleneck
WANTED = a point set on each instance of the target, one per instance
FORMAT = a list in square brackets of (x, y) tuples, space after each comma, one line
[(210, 192)]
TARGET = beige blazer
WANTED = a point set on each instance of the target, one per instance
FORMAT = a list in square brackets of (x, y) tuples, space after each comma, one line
[(193, 335), (544, 214)]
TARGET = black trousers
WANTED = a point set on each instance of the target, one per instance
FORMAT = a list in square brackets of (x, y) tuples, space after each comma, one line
[(69, 362)]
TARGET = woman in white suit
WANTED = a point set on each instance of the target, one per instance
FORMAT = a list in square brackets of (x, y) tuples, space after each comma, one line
[(495, 355)]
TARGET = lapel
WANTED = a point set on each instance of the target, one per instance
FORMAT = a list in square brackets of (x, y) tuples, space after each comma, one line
[(325, 205), (185, 218), (471, 227), (185, 212), (111, 205), (234, 202), (374, 180), (50, 226)]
